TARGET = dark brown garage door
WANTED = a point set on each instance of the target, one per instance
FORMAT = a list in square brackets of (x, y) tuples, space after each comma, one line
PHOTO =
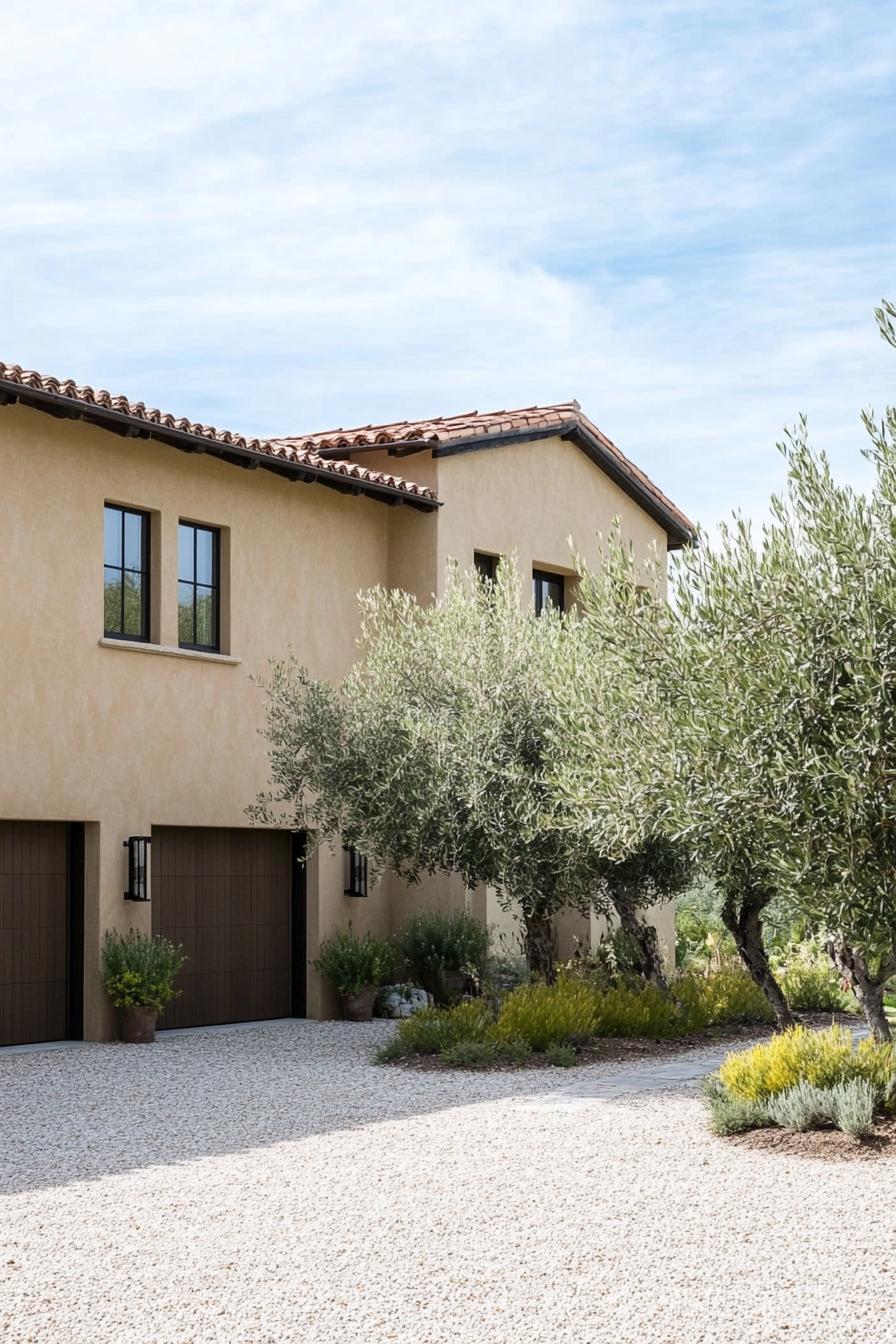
[(234, 899), (39, 932)]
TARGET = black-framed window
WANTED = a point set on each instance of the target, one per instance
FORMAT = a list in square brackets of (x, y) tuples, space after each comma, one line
[(355, 872), (125, 573), (486, 565), (547, 590), (198, 587)]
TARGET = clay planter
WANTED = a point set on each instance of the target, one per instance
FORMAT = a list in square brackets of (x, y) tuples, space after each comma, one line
[(137, 1026), (446, 987), (359, 1007)]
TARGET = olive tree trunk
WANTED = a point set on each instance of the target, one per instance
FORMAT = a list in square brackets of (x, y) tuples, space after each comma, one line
[(539, 945), (742, 917), (868, 988), (644, 936)]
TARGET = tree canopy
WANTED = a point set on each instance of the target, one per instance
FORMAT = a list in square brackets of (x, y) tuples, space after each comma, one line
[(756, 711), (436, 752)]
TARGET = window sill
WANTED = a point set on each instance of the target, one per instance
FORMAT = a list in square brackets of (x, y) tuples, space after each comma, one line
[(169, 651)]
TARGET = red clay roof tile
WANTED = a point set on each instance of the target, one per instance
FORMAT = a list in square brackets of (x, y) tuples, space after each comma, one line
[(307, 449), (445, 430), (27, 379)]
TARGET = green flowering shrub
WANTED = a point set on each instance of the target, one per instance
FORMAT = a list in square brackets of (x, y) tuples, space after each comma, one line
[(810, 986), (138, 972), (433, 946), (546, 1015), (578, 1009), (723, 998), (352, 964), (823, 1058), (436, 1030)]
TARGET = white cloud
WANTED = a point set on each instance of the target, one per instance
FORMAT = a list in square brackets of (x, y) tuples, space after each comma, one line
[(279, 216)]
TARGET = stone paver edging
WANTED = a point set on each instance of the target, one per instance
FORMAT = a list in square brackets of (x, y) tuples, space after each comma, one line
[(646, 1077)]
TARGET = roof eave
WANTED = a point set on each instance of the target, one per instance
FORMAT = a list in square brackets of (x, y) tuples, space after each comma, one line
[(133, 426)]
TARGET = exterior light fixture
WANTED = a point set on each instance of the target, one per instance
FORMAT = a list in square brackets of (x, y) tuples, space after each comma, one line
[(137, 847), (355, 872)]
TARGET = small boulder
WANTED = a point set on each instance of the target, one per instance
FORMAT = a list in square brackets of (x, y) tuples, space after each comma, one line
[(400, 1001)]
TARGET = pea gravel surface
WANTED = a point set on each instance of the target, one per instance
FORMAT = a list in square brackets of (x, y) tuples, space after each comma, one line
[(271, 1184)]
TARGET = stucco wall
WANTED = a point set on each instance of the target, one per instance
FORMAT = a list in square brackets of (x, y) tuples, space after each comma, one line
[(131, 739), (126, 739), (531, 498)]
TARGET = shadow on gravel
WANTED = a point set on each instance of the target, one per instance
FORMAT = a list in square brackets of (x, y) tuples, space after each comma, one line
[(101, 1110)]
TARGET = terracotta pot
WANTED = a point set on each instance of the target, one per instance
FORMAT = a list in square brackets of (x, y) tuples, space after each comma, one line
[(446, 987), (359, 1007), (137, 1026)]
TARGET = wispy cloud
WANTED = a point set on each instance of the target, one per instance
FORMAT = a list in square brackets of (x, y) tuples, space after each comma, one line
[(279, 216)]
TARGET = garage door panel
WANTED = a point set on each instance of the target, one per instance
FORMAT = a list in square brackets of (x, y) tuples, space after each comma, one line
[(226, 895), (34, 920)]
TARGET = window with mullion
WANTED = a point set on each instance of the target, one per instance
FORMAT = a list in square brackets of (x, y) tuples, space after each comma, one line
[(125, 573), (486, 565), (198, 584), (547, 590)]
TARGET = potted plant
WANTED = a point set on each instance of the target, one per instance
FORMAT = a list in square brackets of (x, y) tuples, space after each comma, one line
[(355, 967), (138, 975), (444, 952)]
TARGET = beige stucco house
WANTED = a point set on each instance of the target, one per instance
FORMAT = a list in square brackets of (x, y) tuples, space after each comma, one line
[(151, 567)]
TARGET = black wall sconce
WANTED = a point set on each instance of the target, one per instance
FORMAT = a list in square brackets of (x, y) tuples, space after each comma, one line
[(137, 847), (355, 872)]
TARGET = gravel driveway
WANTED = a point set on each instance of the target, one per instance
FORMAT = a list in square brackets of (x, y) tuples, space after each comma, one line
[(270, 1185)]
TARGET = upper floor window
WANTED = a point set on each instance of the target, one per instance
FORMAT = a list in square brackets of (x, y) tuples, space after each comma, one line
[(486, 565), (547, 590), (355, 872), (198, 587), (125, 573)]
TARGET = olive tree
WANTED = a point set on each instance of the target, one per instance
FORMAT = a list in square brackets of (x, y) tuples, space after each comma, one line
[(666, 683), (435, 753), (757, 708)]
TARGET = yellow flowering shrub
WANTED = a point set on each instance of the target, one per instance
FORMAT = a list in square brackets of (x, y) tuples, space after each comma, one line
[(822, 1058), (544, 1015)]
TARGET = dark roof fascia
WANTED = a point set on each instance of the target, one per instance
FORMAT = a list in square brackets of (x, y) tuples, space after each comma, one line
[(133, 427), (626, 479), (401, 448), (591, 446)]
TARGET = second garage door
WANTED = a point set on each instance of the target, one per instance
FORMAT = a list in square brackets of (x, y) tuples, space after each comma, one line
[(234, 899)]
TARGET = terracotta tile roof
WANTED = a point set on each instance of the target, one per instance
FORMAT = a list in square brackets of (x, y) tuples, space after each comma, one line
[(319, 456), (55, 392), (566, 417)]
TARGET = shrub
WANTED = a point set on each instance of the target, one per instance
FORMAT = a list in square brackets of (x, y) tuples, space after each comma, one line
[(436, 1030), (823, 1058), (732, 1115), (138, 971), (561, 1056), (812, 987), (435, 945), (802, 1107), (853, 1105), (501, 974), (701, 940), (644, 1010), (394, 1049), (543, 1015), (726, 996), (471, 1054), (515, 1051), (352, 964)]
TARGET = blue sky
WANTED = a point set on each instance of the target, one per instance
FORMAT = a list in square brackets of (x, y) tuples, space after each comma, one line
[(281, 216)]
